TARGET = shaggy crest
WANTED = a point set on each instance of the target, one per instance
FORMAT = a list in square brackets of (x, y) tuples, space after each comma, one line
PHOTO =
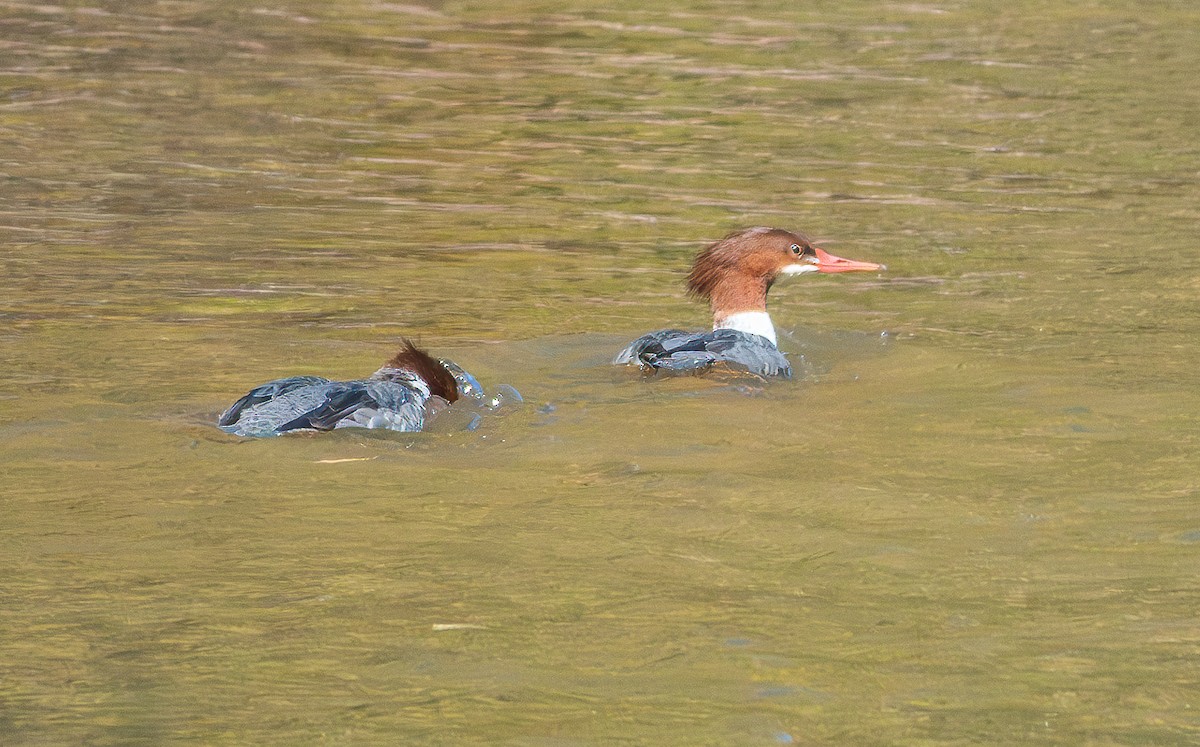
[(411, 358), (749, 253)]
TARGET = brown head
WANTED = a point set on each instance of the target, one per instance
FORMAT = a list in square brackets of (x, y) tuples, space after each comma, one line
[(735, 273), (440, 381)]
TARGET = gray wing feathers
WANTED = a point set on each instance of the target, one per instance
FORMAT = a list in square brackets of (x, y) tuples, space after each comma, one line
[(674, 351), (320, 404), (391, 405), (265, 393), (633, 352)]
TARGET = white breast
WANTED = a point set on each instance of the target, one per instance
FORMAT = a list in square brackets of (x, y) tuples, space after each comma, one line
[(752, 322)]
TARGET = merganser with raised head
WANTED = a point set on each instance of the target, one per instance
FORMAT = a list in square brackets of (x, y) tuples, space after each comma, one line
[(734, 275), (400, 396)]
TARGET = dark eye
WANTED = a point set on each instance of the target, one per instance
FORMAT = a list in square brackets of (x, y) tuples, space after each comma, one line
[(796, 249)]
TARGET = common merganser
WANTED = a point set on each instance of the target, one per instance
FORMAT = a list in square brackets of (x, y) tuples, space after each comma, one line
[(400, 396), (734, 275)]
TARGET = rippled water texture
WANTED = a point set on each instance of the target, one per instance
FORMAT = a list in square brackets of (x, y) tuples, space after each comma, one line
[(973, 521)]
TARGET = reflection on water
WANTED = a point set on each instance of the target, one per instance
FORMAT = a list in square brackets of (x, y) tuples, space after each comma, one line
[(972, 520)]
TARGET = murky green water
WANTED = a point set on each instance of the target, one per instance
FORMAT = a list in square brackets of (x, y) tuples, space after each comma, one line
[(979, 528)]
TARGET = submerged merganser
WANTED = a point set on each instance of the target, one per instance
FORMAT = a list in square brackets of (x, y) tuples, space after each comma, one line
[(400, 396), (734, 275)]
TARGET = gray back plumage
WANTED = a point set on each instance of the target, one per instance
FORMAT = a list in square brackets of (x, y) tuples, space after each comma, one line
[(392, 399), (314, 403), (677, 352)]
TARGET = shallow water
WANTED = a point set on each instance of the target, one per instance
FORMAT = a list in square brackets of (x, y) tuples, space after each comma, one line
[(974, 520)]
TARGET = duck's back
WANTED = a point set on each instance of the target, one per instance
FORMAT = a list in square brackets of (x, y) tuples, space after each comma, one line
[(678, 352), (315, 403)]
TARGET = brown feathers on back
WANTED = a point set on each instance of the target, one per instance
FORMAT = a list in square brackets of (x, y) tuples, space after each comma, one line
[(752, 255), (412, 358)]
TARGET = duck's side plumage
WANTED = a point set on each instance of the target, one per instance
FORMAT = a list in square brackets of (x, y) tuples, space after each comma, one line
[(678, 352), (269, 392), (396, 397)]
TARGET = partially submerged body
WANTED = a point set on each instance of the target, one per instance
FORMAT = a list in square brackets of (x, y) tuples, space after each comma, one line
[(734, 275), (401, 396), (678, 352)]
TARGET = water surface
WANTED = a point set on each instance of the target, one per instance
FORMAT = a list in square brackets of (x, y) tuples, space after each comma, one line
[(972, 521)]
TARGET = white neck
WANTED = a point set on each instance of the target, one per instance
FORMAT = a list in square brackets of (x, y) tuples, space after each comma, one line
[(752, 322)]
